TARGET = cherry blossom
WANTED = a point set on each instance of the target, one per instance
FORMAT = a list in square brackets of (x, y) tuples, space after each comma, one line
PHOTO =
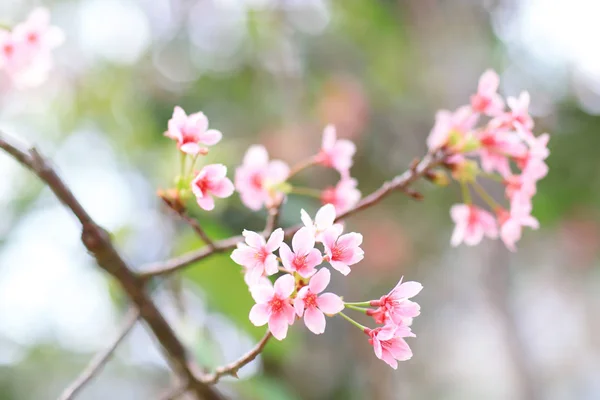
[(211, 181), (512, 223), (472, 223), (389, 344), (451, 125), (324, 219), (336, 153), (342, 250), (396, 305), (487, 101), (519, 113), (191, 132), (257, 254), (258, 180), (305, 257), (343, 196), (497, 146), (315, 306), (273, 306)]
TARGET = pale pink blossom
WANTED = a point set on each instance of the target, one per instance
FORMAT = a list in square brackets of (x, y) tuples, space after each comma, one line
[(342, 250), (258, 179), (315, 306), (472, 223), (519, 113), (273, 306), (305, 257), (512, 223), (324, 219), (497, 146), (211, 181), (389, 344), (191, 132), (460, 123), (336, 153), (343, 196), (396, 305), (37, 35), (487, 101), (525, 183), (257, 254)]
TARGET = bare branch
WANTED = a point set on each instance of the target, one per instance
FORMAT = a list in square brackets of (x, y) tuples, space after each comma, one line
[(233, 368), (181, 212), (97, 241), (100, 359), (399, 183)]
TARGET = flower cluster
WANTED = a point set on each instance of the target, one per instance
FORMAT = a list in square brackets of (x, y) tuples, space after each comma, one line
[(192, 135), (507, 151), (26, 49)]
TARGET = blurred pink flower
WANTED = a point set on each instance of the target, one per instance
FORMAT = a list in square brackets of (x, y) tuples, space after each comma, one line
[(497, 146), (305, 257), (472, 223), (336, 153), (273, 306), (191, 132), (313, 306), (396, 305), (512, 223), (211, 181), (257, 179), (459, 122), (519, 113), (342, 250), (257, 254), (487, 101), (343, 196), (389, 344)]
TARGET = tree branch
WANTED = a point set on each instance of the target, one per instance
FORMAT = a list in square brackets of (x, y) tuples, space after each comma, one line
[(100, 359), (233, 368), (194, 224), (97, 241), (400, 182)]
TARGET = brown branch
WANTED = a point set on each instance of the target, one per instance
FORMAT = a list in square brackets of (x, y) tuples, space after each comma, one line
[(400, 183), (194, 224), (97, 363), (98, 243), (233, 368)]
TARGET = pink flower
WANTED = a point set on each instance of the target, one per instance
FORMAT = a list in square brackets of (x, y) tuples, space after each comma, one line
[(496, 147), (305, 257), (191, 132), (519, 113), (37, 35), (342, 250), (487, 101), (211, 181), (257, 180), (273, 306), (335, 153), (323, 220), (314, 306), (472, 223), (389, 344), (511, 224), (396, 306), (343, 196), (525, 183), (257, 255), (447, 123)]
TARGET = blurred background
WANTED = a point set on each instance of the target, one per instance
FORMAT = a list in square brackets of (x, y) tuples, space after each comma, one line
[(494, 325)]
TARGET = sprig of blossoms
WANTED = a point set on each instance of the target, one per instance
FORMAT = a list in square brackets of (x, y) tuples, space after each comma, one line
[(26, 49), (504, 149)]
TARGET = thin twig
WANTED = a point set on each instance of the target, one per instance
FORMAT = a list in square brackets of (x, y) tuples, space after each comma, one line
[(173, 393), (97, 241), (98, 362), (399, 183), (233, 368), (194, 224)]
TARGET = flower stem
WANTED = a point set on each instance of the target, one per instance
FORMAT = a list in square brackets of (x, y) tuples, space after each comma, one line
[(494, 177), (194, 159), (316, 193), (353, 322), (182, 164), (301, 166), (361, 303), (355, 308), (465, 193), (485, 196)]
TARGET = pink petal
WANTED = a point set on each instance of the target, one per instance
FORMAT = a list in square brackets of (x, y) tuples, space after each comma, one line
[(224, 188), (329, 137), (278, 171), (190, 148), (314, 320), (262, 293), (211, 137), (299, 301), (271, 264), (458, 234), (330, 303), (275, 240), (489, 82), (259, 314), (214, 171), (319, 281), (407, 290), (197, 121), (314, 258), (303, 241), (278, 325), (306, 220), (287, 257), (253, 239), (325, 217), (206, 203), (459, 212), (290, 313), (389, 360), (285, 285), (377, 348), (341, 267), (350, 240), (256, 155), (244, 255)]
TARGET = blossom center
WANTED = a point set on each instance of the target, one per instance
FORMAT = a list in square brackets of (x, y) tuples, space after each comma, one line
[(338, 253), (299, 263), (277, 304), (256, 181), (203, 184), (310, 300), (261, 255), (32, 38)]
